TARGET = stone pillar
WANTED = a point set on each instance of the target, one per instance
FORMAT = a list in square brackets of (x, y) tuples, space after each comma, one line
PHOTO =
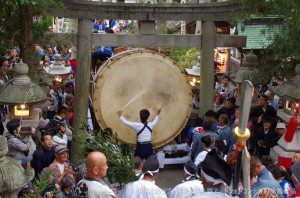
[(207, 66), (84, 37)]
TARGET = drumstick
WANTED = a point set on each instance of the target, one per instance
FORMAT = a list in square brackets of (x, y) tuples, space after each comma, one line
[(163, 104), (133, 99)]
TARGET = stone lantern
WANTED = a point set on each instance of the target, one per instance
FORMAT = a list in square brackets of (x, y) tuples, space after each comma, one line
[(194, 74), (289, 91), (248, 72), (57, 69), (21, 94)]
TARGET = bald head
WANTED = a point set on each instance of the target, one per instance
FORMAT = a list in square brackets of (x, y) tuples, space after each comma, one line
[(96, 165)]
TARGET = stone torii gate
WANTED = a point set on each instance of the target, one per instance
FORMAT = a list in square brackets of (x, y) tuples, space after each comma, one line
[(146, 14)]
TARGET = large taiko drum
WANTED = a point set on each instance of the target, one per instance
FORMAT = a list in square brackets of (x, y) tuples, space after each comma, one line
[(154, 81)]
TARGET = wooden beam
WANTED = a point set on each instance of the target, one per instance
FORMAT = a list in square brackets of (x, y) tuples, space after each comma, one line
[(220, 11), (159, 40)]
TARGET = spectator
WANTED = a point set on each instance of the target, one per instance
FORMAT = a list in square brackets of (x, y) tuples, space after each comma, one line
[(262, 110), (261, 171), (225, 89), (138, 166), (265, 137), (5, 76), (296, 157), (225, 134), (197, 144), (206, 141), (43, 157), (296, 177), (18, 148), (56, 97), (219, 103), (280, 130), (13, 59), (59, 166), (229, 109), (60, 118), (286, 186), (67, 182), (211, 117), (261, 187), (273, 100)]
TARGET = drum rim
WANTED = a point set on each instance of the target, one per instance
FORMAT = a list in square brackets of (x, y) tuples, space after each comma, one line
[(100, 118)]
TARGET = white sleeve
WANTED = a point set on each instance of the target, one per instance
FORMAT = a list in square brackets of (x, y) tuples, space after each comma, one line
[(133, 125), (200, 157), (59, 141), (154, 122)]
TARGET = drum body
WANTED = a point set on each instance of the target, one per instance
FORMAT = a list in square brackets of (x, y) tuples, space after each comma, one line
[(163, 84)]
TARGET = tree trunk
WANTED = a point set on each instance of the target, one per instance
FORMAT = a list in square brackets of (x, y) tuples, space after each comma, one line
[(27, 45)]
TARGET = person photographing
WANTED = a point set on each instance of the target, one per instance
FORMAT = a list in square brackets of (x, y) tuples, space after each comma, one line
[(143, 129)]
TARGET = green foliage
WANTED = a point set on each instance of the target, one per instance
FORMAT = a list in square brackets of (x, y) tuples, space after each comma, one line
[(285, 45), (120, 163), (11, 15), (41, 27), (185, 57), (41, 184)]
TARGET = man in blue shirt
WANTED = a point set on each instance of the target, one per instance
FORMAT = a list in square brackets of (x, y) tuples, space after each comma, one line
[(197, 145), (211, 116), (225, 133)]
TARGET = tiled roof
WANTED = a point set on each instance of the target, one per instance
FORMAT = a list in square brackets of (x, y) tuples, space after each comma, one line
[(258, 35)]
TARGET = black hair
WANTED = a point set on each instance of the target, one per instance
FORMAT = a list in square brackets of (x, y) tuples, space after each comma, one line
[(43, 136), (206, 125), (227, 77), (275, 170), (206, 140), (62, 109), (13, 125), (144, 115), (220, 147), (69, 84), (211, 113)]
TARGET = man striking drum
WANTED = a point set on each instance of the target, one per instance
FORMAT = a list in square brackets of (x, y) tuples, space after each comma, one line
[(144, 132)]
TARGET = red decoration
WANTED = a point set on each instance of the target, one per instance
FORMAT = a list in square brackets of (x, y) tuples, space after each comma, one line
[(286, 162), (293, 123), (73, 64), (200, 130)]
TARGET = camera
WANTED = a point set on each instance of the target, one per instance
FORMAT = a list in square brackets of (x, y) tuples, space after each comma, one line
[(53, 127), (73, 167)]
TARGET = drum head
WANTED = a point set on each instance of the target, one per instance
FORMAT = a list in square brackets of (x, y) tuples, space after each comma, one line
[(162, 85)]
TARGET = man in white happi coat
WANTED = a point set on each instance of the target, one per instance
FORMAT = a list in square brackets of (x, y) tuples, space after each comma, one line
[(191, 185), (215, 174), (145, 187)]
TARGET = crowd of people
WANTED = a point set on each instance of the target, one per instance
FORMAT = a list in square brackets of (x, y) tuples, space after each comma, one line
[(213, 146)]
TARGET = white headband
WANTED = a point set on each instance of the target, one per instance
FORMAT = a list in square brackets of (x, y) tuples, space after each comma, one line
[(149, 172), (210, 179)]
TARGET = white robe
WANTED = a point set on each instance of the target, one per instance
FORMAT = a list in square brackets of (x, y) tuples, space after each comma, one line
[(142, 189), (214, 195), (187, 189)]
